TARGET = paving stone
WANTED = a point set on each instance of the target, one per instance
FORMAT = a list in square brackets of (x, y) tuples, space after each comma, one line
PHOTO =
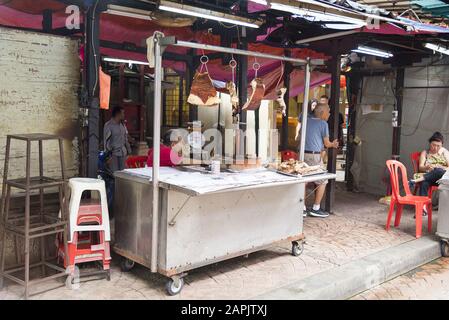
[(357, 229)]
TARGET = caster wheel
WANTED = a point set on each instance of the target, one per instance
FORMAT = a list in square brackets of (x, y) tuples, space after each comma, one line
[(297, 248), (444, 248), (126, 265), (70, 282), (173, 288)]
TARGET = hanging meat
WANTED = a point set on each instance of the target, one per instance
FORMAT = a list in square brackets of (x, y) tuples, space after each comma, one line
[(258, 92), (202, 92), (230, 86), (281, 102)]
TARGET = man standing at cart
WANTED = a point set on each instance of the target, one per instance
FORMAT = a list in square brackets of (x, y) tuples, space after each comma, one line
[(116, 140), (317, 139)]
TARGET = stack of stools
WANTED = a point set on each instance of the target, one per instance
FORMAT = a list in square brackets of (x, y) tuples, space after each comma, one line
[(89, 234), (31, 226)]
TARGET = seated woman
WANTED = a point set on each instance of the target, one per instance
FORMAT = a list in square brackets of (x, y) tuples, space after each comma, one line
[(169, 153), (433, 163)]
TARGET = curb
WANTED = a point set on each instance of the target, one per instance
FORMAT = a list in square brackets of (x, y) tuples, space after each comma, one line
[(354, 277)]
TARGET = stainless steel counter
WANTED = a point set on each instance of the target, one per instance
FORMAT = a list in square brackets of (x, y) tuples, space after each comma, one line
[(201, 225)]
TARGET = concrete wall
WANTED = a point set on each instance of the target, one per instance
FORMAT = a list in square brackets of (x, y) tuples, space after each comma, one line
[(39, 81), (375, 131), (425, 110)]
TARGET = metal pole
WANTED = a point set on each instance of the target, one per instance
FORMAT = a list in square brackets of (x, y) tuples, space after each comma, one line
[(328, 36), (92, 64), (256, 54), (305, 110), (284, 136), (334, 127), (396, 143), (156, 149)]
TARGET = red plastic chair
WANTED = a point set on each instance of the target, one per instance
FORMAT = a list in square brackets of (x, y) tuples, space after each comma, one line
[(136, 162), (397, 171), (415, 161), (288, 154)]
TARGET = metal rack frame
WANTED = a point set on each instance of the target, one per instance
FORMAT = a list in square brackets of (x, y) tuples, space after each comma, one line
[(161, 43)]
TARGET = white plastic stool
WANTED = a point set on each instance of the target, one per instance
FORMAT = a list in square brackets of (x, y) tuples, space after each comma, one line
[(77, 187)]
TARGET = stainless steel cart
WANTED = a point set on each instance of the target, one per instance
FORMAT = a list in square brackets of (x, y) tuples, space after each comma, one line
[(443, 216), (200, 229)]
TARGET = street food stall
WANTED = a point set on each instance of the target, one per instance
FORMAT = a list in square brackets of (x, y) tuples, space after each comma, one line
[(202, 217), (205, 218)]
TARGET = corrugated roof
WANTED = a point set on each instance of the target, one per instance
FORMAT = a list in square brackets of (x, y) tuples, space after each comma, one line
[(427, 10)]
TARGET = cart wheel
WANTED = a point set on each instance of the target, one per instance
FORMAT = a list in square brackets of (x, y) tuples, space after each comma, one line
[(126, 265), (174, 289), (297, 248), (108, 275), (444, 248), (69, 282)]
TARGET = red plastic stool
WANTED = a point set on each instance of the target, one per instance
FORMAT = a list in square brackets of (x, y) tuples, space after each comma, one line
[(87, 246)]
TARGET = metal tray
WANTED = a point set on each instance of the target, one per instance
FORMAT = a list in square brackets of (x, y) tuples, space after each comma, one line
[(301, 175)]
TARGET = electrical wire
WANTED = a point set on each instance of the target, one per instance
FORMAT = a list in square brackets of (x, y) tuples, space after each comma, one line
[(94, 134), (93, 46), (228, 27), (423, 107)]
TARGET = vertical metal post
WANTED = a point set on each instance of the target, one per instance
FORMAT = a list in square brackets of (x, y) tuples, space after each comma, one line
[(27, 219), (47, 20), (242, 79), (284, 135), (396, 148), (4, 217), (257, 129), (41, 204), (156, 149), (191, 67), (353, 90), (333, 129), (305, 105), (181, 102), (92, 65)]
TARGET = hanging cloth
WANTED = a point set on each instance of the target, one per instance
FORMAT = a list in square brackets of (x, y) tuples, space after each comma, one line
[(105, 89)]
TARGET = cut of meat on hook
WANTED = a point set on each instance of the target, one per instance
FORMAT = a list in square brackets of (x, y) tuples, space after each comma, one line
[(281, 101), (258, 92), (202, 92)]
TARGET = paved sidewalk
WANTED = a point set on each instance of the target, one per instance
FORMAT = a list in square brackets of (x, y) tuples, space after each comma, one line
[(430, 281), (354, 231)]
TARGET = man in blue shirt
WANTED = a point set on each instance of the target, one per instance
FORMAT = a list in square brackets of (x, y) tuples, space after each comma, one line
[(317, 139)]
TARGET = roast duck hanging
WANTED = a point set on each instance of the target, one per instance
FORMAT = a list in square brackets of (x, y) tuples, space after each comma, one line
[(282, 106), (230, 86)]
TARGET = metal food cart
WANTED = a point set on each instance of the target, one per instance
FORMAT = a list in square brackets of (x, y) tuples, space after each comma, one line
[(197, 226), (204, 219)]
